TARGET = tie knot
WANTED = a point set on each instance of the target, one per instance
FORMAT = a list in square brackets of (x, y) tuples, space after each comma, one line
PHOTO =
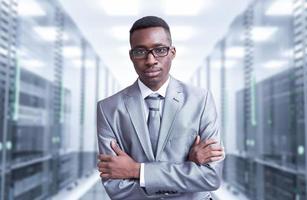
[(153, 102)]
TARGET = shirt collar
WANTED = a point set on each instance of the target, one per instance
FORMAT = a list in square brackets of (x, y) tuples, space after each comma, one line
[(145, 91)]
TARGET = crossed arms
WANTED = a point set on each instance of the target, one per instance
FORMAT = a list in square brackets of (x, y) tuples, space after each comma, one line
[(122, 166)]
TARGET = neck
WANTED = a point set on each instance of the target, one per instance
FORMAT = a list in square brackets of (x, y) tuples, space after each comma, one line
[(153, 85)]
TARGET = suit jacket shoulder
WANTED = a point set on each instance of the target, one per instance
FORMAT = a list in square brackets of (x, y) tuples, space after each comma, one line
[(193, 93), (114, 101)]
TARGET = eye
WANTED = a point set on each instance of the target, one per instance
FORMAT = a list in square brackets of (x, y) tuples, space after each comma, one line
[(160, 50), (139, 51)]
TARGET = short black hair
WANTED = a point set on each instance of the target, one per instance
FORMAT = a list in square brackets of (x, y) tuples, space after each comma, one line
[(149, 22)]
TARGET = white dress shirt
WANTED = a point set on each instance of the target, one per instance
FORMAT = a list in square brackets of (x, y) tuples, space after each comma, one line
[(145, 91)]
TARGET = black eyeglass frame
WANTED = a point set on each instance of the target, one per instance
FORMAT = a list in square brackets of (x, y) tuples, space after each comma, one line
[(148, 51)]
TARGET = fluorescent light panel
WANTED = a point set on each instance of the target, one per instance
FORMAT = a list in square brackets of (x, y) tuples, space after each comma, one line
[(273, 64), (261, 33), (187, 8), (120, 32), (235, 52), (31, 63), (88, 63), (217, 64), (280, 8), (48, 33), (72, 52), (30, 8), (181, 33), (120, 8)]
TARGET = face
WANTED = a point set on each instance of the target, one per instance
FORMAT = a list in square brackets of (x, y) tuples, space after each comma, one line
[(152, 71)]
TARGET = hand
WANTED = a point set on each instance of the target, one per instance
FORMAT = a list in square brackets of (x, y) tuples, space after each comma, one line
[(203, 152), (121, 166)]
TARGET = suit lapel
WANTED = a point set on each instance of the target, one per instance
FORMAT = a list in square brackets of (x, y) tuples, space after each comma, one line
[(173, 101), (134, 105)]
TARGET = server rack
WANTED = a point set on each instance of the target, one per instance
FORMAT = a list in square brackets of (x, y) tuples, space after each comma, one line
[(270, 157), (280, 161), (8, 23), (35, 112)]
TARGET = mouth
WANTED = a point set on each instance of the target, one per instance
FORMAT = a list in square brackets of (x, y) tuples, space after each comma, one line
[(152, 73)]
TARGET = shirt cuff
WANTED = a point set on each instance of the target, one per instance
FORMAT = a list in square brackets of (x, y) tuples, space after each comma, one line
[(142, 178)]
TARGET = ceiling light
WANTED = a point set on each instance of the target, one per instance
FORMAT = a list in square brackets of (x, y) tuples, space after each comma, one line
[(180, 7), (120, 32), (274, 64), (30, 8), (217, 64), (72, 52), (280, 8), (120, 8), (235, 52), (31, 63), (48, 33), (181, 33), (88, 63), (261, 33)]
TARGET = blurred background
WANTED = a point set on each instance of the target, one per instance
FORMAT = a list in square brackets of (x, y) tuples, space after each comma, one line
[(59, 57)]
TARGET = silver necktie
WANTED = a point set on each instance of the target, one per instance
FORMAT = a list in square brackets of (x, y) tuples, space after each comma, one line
[(154, 120)]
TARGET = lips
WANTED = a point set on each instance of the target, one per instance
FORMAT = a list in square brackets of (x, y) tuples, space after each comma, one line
[(152, 73)]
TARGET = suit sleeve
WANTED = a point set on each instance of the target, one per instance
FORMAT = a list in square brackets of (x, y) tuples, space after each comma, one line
[(188, 176), (116, 188)]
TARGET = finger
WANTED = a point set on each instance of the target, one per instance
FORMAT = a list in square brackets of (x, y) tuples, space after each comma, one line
[(105, 158), (208, 142), (205, 144), (104, 175), (213, 159), (213, 148), (216, 153), (116, 148), (100, 156), (197, 140), (103, 165), (104, 170), (98, 164)]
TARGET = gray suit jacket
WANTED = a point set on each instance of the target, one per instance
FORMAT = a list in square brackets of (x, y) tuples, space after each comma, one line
[(188, 111)]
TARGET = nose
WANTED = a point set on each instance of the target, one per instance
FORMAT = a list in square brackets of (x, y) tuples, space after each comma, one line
[(150, 60)]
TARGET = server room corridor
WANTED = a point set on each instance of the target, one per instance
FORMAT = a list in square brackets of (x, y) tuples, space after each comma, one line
[(58, 58)]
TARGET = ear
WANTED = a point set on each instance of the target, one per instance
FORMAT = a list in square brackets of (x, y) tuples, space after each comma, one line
[(173, 52)]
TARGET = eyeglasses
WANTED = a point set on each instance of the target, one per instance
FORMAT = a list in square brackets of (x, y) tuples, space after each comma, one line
[(142, 53)]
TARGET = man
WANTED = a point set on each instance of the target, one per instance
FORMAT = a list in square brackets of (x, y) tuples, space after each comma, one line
[(158, 138)]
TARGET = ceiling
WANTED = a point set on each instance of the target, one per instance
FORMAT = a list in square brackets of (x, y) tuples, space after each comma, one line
[(196, 25)]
